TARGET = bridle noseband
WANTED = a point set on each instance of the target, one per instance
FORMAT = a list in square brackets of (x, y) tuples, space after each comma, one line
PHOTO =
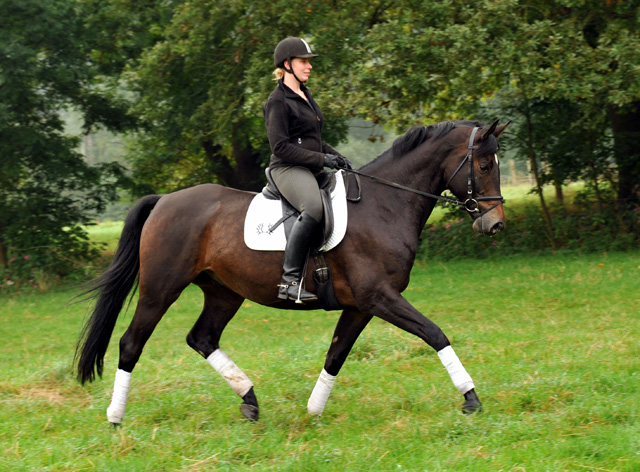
[(470, 204)]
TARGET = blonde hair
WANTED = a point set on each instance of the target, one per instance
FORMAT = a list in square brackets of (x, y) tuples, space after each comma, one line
[(278, 73)]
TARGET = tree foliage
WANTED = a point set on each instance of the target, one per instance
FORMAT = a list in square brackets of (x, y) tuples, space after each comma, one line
[(196, 73), (46, 189), (202, 86), (203, 78), (448, 56)]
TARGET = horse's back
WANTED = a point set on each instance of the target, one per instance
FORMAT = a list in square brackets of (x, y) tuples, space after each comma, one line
[(203, 195), (195, 206)]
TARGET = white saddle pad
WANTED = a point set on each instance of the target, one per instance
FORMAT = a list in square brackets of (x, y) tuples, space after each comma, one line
[(264, 213)]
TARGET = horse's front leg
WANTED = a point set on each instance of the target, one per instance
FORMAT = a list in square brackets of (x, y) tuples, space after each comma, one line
[(349, 327), (392, 307)]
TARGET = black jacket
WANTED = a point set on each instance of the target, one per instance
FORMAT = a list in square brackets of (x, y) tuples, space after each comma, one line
[(294, 128)]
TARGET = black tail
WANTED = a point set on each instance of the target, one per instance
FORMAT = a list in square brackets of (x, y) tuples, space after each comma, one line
[(111, 289)]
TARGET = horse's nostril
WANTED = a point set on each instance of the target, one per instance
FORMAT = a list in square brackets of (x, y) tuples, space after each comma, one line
[(499, 226)]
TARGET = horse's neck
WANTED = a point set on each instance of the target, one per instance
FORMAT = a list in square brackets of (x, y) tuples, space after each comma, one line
[(410, 171)]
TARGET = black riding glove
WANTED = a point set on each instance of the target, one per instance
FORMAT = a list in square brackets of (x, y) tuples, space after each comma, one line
[(331, 161), (336, 162)]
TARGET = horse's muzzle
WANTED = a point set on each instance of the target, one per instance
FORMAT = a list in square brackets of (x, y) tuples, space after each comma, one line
[(491, 222)]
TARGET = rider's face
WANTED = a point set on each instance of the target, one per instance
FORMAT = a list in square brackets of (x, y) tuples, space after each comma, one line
[(301, 68)]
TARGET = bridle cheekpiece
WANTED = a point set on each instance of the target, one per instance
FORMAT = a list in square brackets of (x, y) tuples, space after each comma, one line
[(471, 203)]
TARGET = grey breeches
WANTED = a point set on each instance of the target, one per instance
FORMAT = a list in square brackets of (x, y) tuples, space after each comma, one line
[(300, 187)]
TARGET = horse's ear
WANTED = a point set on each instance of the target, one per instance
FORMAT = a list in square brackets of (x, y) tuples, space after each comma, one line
[(500, 129), (486, 132)]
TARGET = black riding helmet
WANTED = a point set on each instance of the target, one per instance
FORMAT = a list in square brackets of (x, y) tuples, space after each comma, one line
[(291, 48)]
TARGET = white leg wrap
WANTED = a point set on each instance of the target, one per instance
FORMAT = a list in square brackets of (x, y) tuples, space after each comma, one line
[(236, 379), (461, 379), (115, 412), (320, 394)]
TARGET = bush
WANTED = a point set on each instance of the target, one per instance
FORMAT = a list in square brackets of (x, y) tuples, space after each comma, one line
[(41, 262), (583, 227)]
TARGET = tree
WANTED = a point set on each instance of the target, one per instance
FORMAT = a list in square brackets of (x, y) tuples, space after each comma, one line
[(201, 84), (448, 56), (46, 189), (199, 71), (195, 95)]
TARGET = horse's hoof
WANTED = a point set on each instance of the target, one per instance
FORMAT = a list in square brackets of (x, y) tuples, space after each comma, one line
[(469, 408), (250, 412), (472, 403)]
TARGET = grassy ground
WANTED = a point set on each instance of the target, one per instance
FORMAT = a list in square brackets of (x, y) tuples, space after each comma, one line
[(553, 344), (107, 233)]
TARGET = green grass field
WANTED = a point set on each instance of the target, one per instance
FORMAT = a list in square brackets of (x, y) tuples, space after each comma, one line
[(553, 345)]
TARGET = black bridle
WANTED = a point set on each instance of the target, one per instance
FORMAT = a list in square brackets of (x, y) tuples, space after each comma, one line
[(470, 204)]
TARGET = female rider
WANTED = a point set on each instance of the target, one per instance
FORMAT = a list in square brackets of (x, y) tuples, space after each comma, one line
[(294, 124)]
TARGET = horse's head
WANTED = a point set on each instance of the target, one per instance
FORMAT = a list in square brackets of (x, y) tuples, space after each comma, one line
[(475, 179)]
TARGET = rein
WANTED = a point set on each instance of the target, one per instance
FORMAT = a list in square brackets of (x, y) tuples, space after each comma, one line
[(470, 204), (402, 187)]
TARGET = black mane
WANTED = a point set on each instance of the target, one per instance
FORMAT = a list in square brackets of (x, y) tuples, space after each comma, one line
[(419, 134)]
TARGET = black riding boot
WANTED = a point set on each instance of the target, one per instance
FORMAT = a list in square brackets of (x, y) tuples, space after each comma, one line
[(295, 257)]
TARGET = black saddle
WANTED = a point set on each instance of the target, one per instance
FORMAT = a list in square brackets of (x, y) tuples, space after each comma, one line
[(289, 214)]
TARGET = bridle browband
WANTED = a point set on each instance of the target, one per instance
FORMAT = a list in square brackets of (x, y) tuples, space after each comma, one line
[(470, 204)]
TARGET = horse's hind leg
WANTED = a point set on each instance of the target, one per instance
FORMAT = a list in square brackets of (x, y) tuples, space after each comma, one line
[(349, 327), (220, 305), (149, 312)]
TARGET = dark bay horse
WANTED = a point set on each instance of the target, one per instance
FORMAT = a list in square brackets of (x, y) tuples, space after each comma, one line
[(195, 236)]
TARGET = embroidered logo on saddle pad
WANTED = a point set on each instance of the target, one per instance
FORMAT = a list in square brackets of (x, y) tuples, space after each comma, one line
[(264, 213)]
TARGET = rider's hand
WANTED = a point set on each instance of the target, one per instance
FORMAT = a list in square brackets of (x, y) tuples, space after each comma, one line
[(336, 162), (331, 161), (346, 164)]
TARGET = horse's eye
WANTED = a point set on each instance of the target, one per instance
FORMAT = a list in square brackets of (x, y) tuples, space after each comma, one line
[(484, 168)]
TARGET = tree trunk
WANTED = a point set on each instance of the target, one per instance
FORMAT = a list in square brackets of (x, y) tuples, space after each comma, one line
[(543, 203), (596, 184), (536, 174), (559, 192), (513, 173), (248, 172), (625, 124), (219, 164), (3, 252)]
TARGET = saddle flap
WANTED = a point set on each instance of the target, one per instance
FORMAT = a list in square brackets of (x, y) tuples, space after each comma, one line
[(328, 224)]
